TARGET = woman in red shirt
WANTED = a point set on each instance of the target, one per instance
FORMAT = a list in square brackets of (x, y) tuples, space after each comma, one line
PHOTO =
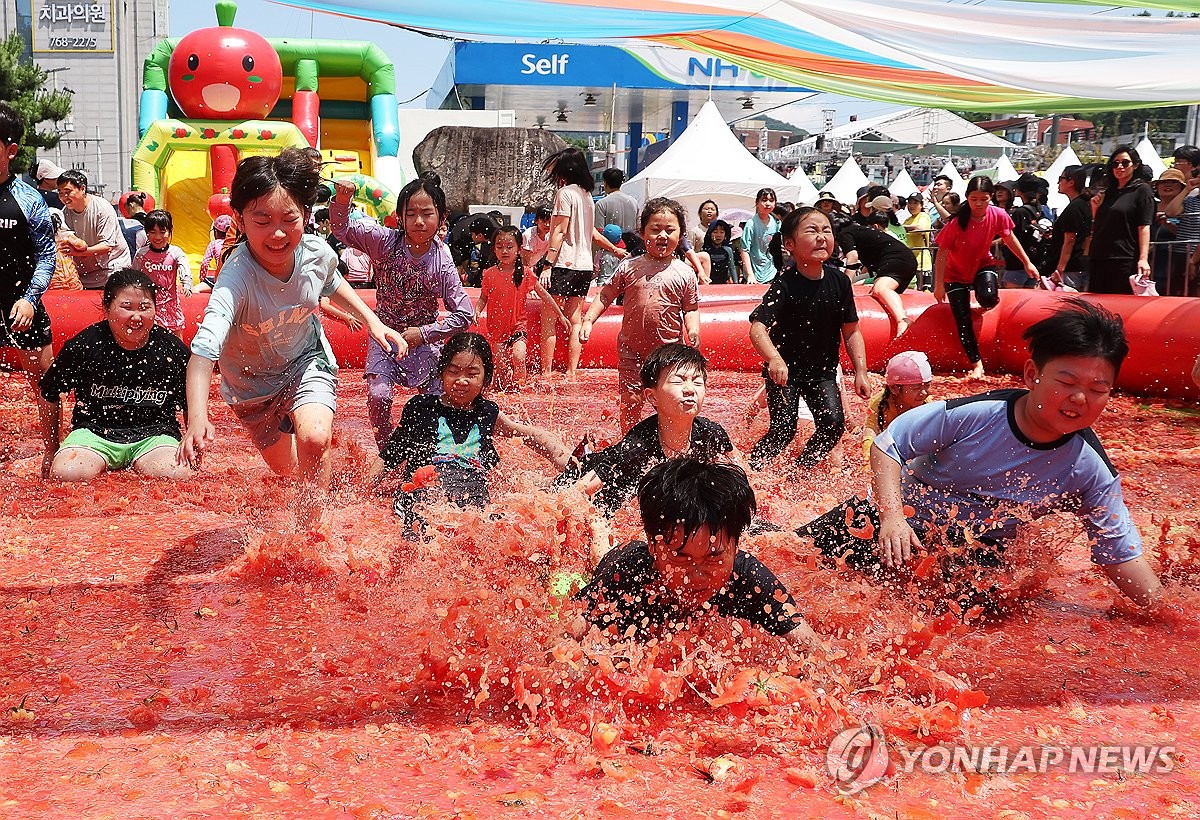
[(965, 262)]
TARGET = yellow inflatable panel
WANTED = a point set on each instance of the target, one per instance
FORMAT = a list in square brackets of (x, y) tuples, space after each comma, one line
[(186, 187)]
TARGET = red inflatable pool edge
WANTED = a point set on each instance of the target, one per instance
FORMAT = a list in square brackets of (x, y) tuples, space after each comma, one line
[(1164, 332)]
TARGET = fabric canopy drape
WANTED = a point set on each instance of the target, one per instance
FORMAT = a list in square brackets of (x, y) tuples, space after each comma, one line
[(1013, 56)]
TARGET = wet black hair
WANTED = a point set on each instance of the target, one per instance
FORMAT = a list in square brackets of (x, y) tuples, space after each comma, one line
[(136, 198), (76, 178), (543, 212), (519, 267), (159, 218), (483, 225), (12, 127), (432, 177), (661, 204), (975, 183), (321, 215), (421, 185), (793, 220), (126, 278), (468, 343), (879, 219), (259, 176), (671, 356), (762, 192), (569, 167), (1079, 328), (634, 246), (687, 493), (708, 235)]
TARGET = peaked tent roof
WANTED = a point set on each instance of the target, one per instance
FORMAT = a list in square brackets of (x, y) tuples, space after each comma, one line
[(1056, 200), (708, 162), (1150, 158), (846, 182), (1005, 172), (902, 185), (808, 191)]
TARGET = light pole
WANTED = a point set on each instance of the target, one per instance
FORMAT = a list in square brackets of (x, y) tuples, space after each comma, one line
[(53, 74)]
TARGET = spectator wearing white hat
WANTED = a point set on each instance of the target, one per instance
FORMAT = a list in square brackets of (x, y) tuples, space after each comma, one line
[(45, 176)]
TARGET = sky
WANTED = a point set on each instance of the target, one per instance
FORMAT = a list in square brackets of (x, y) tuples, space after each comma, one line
[(419, 58)]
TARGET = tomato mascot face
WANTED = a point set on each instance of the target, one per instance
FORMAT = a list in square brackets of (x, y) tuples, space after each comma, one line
[(225, 73)]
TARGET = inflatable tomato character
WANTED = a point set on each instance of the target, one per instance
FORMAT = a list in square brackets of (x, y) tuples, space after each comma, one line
[(225, 73)]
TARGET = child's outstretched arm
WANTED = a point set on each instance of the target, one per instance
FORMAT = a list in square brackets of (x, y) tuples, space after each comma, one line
[(691, 327), (777, 368), (538, 439), (388, 339), (200, 432), (896, 538), (856, 349), (1136, 579), (607, 296), (547, 299), (345, 317)]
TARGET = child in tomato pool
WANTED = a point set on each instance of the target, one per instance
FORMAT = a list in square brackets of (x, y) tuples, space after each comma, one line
[(963, 474), (673, 378), (453, 432), (167, 266), (694, 512), (413, 271), (662, 302)]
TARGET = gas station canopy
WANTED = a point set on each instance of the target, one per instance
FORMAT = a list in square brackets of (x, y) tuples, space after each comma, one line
[(605, 88)]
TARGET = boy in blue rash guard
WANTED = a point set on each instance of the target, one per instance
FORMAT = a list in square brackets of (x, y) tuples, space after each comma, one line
[(975, 468), (26, 265)]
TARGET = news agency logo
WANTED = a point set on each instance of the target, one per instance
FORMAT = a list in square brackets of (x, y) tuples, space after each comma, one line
[(858, 758)]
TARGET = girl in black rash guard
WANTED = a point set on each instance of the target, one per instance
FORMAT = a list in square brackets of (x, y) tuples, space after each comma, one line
[(453, 433)]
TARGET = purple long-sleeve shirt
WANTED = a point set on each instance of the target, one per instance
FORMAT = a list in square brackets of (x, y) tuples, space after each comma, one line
[(407, 289)]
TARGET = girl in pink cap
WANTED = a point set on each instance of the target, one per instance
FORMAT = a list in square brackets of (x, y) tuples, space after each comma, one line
[(909, 379)]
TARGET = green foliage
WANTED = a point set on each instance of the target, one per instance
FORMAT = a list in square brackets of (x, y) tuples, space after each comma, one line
[(22, 86)]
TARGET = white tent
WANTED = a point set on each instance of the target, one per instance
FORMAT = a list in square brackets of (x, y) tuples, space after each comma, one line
[(1150, 158), (1005, 172), (846, 182), (1056, 200), (902, 185), (808, 191), (708, 162)]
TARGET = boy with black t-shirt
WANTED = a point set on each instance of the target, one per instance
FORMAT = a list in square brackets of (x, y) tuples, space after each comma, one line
[(27, 257), (693, 512), (971, 470), (674, 377)]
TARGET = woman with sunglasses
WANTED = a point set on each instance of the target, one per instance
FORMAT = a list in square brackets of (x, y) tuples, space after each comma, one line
[(1123, 211)]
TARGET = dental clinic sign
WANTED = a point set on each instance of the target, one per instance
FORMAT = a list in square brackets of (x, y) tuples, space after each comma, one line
[(62, 25), (601, 67)]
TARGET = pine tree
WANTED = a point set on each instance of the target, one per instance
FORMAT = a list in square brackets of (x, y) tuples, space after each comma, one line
[(22, 86)]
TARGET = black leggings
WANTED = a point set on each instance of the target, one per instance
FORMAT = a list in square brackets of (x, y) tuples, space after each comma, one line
[(958, 294), (824, 399)]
